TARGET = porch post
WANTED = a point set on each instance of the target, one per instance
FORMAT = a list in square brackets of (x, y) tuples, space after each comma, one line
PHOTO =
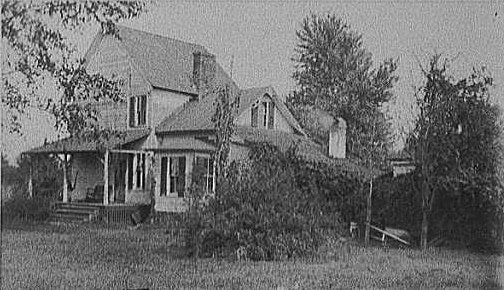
[(30, 180), (65, 182), (106, 178)]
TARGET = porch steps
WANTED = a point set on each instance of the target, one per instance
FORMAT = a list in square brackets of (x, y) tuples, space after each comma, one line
[(74, 212)]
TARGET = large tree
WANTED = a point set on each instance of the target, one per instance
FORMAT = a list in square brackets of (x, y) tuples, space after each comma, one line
[(36, 52), (335, 73), (456, 149)]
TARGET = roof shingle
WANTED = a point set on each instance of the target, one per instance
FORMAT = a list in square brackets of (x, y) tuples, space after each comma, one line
[(89, 143), (305, 148), (194, 116), (185, 143), (166, 63), (197, 115)]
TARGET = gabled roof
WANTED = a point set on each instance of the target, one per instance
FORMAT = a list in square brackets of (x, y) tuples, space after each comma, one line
[(251, 95), (197, 115), (90, 143), (166, 63), (305, 148)]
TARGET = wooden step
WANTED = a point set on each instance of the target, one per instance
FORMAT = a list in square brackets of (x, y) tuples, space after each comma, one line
[(56, 217), (74, 212), (79, 206), (77, 212)]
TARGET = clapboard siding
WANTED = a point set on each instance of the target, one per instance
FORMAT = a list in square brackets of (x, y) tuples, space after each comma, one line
[(112, 61)]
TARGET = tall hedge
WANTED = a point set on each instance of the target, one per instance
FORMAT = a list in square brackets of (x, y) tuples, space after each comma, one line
[(276, 206)]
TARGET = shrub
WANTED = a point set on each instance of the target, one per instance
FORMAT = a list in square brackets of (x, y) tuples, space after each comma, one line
[(21, 207), (463, 220), (263, 209)]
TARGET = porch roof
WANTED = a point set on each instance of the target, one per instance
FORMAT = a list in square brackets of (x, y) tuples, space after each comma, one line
[(92, 142), (184, 143)]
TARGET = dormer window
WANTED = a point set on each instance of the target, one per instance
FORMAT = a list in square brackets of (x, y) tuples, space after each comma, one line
[(263, 115), (138, 111), (271, 115), (265, 111), (254, 113)]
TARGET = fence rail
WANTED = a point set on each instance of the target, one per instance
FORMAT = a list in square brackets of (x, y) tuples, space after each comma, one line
[(119, 215)]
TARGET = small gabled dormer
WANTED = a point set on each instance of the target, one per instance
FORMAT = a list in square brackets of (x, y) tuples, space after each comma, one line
[(262, 109), (262, 114)]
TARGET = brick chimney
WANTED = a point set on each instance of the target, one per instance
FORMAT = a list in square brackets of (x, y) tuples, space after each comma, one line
[(203, 69), (337, 139)]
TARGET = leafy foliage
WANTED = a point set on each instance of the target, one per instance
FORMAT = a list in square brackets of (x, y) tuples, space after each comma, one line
[(37, 51), (335, 74), (20, 207), (46, 171), (273, 207), (455, 146), (224, 128), (47, 182)]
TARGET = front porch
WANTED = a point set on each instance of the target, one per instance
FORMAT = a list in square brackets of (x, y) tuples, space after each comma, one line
[(116, 177), (111, 178), (102, 169)]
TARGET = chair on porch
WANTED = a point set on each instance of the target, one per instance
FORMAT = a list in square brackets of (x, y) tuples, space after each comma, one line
[(96, 194)]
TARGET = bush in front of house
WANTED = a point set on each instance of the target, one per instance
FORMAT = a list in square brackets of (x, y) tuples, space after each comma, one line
[(17, 205), (20, 207), (264, 210)]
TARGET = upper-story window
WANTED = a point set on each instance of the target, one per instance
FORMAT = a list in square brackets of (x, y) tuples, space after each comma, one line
[(138, 111), (254, 114), (271, 115), (263, 115)]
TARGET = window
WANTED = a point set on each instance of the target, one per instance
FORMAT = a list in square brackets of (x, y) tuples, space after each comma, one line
[(136, 171), (140, 171), (130, 171), (271, 115), (173, 172), (265, 113), (203, 173), (138, 111), (164, 173), (254, 113)]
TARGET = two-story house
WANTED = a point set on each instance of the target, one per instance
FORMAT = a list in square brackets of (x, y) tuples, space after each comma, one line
[(166, 124)]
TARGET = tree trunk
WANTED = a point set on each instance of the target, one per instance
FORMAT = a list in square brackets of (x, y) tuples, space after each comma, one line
[(368, 213), (425, 228), (426, 201)]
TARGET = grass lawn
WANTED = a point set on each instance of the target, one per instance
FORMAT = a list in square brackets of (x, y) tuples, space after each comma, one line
[(93, 257)]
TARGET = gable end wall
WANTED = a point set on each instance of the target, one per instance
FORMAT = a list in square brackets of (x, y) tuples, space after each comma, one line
[(280, 124), (111, 60)]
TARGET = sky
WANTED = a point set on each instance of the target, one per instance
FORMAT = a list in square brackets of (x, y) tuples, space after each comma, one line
[(256, 41)]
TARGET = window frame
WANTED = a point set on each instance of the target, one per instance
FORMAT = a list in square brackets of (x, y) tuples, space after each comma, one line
[(167, 192), (271, 115), (254, 116), (139, 112), (136, 172), (265, 107), (210, 171)]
